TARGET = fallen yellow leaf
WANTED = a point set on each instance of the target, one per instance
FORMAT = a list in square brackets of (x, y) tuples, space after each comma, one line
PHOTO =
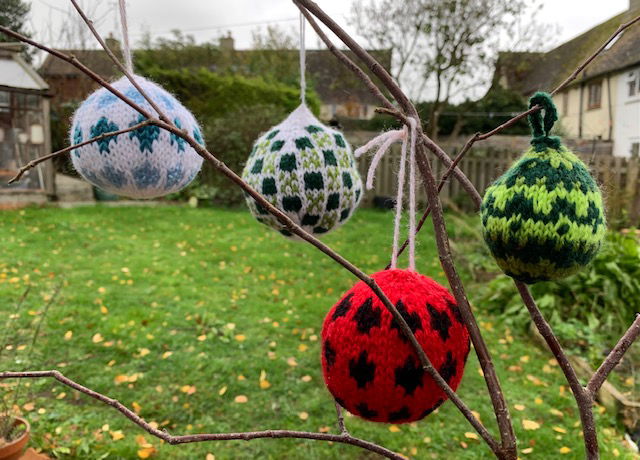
[(241, 399), (264, 384), (303, 415), (565, 450), (530, 425), (394, 428), (97, 338), (223, 390), (519, 407), (136, 407), (471, 435), (559, 429), (210, 457), (240, 337), (116, 435), (146, 452), (188, 389), (68, 335)]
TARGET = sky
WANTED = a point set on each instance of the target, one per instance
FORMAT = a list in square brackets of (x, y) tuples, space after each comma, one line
[(207, 20)]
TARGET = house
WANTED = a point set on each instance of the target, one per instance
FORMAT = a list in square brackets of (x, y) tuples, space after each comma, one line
[(603, 103), (24, 129), (340, 92)]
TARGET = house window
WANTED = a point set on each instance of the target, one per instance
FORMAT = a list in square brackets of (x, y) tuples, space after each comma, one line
[(633, 83), (4, 102), (595, 95)]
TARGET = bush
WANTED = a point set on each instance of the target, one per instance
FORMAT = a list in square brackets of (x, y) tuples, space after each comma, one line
[(594, 306)]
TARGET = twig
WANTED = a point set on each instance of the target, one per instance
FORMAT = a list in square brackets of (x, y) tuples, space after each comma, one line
[(341, 426), (119, 64), (80, 66), (582, 397), (37, 161), (614, 357), (246, 436)]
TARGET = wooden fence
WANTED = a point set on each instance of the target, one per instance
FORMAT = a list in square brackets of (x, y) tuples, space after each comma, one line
[(617, 176)]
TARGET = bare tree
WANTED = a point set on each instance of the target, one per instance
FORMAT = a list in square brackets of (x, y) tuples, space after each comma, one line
[(443, 45)]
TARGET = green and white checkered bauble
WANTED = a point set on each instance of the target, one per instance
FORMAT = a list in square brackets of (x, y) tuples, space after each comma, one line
[(307, 170)]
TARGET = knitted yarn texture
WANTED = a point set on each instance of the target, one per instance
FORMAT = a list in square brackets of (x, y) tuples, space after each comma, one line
[(544, 218), (369, 366), (306, 170), (146, 163)]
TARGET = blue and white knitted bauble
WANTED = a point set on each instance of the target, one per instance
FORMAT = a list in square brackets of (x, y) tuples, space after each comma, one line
[(307, 170), (146, 163)]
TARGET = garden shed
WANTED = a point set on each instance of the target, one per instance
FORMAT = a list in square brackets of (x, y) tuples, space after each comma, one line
[(24, 129)]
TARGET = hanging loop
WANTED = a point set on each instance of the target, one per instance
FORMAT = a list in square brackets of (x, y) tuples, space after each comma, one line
[(540, 127)]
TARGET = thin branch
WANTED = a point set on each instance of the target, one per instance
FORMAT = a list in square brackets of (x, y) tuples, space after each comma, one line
[(582, 397), (37, 161), (614, 357), (161, 434), (80, 66), (341, 426), (119, 64)]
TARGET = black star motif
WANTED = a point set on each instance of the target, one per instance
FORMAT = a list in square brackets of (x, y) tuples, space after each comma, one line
[(342, 308), (361, 370), (448, 369), (364, 410), (409, 376), (439, 322), (399, 415), (329, 354), (412, 319), (367, 316), (455, 311)]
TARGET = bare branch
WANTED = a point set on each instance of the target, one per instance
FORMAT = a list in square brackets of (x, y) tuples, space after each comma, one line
[(582, 397), (37, 161), (119, 64), (341, 426), (246, 436), (614, 357)]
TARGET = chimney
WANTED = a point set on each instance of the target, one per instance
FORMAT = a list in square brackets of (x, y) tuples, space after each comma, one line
[(227, 43), (113, 43)]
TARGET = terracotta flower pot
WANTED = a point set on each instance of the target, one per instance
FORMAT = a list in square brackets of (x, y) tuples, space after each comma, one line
[(14, 449)]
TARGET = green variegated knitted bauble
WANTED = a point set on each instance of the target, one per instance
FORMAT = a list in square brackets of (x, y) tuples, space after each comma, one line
[(544, 218), (306, 170)]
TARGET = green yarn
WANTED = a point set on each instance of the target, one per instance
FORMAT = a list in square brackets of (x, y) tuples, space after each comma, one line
[(540, 128), (543, 219)]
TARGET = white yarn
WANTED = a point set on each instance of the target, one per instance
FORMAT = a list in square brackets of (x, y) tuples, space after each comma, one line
[(303, 53), (307, 170), (385, 140), (126, 49), (146, 163)]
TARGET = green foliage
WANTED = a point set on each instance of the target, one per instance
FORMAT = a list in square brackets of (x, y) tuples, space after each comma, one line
[(594, 306), (13, 14), (469, 117)]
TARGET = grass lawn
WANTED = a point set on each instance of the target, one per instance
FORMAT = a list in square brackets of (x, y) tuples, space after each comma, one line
[(177, 312)]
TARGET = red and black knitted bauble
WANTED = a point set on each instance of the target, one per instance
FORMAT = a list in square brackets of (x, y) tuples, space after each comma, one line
[(371, 368)]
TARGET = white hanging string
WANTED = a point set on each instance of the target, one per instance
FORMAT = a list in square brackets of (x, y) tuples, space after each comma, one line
[(384, 141), (412, 198), (303, 57), (126, 49)]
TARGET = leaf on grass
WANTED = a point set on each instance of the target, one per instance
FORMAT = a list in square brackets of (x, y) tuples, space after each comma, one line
[(29, 406), (519, 407), (306, 378), (240, 337), (166, 354), (394, 428), (303, 415), (136, 407), (292, 362), (116, 435), (68, 335), (188, 389), (528, 450), (222, 390), (559, 429), (565, 450), (530, 425), (210, 456), (471, 435), (97, 338), (241, 399), (303, 347), (146, 452)]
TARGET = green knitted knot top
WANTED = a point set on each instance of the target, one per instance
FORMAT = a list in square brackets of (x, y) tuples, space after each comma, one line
[(543, 219)]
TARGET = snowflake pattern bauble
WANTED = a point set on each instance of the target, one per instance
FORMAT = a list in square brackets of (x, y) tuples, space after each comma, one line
[(370, 367), (146, 163), (307, 170)]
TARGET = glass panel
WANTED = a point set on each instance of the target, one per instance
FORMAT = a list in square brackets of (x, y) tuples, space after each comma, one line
[(4, 101), (33, 101)]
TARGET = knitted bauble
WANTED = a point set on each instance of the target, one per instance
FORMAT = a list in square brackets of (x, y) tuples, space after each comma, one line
[(305, 169), (369, 366), (544, 219), (146, 163)]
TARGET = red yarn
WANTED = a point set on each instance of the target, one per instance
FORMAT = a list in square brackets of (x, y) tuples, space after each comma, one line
[(371, 368)]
